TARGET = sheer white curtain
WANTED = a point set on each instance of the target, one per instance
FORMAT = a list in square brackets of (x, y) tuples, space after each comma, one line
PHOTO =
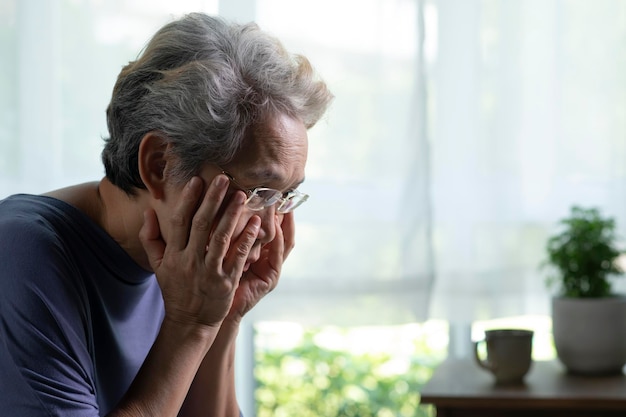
[(58, 62), (462, 130), (529, 117), (363, 237), (363, 251)]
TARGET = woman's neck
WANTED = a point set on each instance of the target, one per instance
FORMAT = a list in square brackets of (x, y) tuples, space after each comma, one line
[(119, 214)]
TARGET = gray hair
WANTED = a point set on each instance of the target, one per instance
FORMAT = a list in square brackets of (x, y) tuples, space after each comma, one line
[(201, 83)]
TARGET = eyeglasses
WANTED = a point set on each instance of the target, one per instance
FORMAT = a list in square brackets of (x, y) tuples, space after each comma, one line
[(260, 198)]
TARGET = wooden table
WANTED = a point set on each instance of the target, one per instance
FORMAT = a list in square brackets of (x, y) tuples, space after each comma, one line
[(460, 388)]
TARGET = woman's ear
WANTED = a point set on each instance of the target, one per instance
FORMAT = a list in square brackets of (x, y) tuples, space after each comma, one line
[(152, 160)]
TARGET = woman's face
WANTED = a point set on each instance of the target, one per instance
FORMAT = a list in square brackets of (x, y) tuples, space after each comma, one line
[(274, 156)]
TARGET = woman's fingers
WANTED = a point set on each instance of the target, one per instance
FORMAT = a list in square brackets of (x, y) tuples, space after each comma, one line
[(179, 222), (277, 255), (150, 237), (206, 216), (240, 248), (221, 243)]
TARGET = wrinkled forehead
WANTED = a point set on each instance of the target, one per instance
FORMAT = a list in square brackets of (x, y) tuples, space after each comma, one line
[(274, 149)]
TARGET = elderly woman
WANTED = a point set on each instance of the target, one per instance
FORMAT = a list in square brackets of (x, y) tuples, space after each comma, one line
[(123, 297)]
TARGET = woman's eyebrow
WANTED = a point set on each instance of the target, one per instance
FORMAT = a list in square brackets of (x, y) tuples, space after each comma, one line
[(269, 175)]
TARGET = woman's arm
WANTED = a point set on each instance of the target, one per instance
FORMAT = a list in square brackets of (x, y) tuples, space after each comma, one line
[(213, 389), (198, 282), (163, 381)]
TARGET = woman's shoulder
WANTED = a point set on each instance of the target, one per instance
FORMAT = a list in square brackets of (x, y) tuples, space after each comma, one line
[(24, 213), (29, 229), (39, 227)]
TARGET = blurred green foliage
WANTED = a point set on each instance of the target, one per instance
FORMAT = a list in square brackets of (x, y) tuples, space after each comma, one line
[(311, 381)]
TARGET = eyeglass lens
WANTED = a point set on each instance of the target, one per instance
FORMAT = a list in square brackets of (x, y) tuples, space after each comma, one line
[(263, 198)]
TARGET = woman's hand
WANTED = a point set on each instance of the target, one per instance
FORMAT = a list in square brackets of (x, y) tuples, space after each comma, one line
[(199, 267), (263, 275)]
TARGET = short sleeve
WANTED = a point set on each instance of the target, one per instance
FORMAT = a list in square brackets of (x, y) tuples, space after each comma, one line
[(46, 368)]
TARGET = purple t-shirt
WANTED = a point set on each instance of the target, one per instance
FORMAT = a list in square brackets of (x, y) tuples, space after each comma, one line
[(77, 314)]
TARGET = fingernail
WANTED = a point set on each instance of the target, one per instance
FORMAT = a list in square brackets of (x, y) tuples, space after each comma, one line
[(220, 181), (255, 223), (240, 198), (192, 182)]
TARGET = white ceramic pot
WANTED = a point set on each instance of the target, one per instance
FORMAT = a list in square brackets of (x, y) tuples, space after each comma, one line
[(590, 334)]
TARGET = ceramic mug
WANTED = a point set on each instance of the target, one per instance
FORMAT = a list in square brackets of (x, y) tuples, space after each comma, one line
[(509, 354)]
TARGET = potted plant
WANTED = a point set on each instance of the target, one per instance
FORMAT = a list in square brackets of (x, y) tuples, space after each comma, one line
[(588, 318)]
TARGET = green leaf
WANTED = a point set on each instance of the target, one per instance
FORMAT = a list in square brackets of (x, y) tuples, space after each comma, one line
[(583, 254)]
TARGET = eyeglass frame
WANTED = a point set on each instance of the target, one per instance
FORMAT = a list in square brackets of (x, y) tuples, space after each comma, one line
[(253, 192)]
